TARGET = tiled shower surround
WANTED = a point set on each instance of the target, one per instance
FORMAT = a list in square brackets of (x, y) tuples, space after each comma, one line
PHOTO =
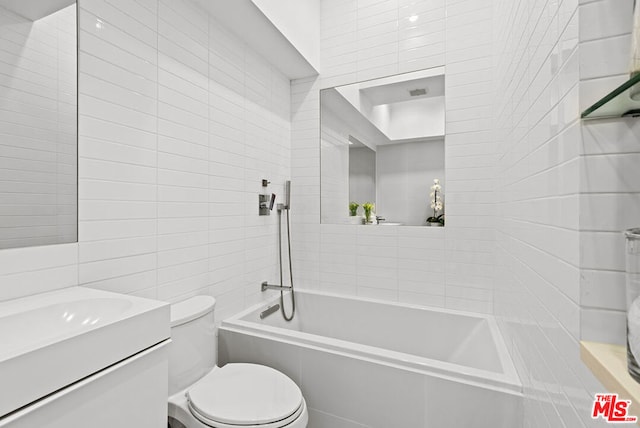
[(179, 122), (535, 199)]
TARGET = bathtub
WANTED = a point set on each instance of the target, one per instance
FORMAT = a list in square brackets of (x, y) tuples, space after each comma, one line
[(367, 363)]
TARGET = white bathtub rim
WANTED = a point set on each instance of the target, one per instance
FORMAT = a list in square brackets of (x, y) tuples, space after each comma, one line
[(503, 352), (276, 298), (503, 384), (506, 381)]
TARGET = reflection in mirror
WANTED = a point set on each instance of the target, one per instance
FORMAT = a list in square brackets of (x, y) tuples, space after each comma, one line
[(38, 122), (382, 141), (362, 172)]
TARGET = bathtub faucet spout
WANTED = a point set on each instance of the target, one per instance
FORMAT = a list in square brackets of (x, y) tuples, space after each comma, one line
[(265, 286)]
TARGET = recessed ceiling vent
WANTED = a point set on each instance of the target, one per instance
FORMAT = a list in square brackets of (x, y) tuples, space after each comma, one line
[(417, 92)]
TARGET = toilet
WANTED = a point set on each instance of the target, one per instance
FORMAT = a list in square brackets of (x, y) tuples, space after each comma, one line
[(237, 395)]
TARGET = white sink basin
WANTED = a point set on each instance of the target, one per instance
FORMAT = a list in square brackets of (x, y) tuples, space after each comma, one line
[(51, 322), (50, 340), (384, 223)]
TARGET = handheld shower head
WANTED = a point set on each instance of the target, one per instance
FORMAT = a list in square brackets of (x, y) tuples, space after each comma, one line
[(287, 194)]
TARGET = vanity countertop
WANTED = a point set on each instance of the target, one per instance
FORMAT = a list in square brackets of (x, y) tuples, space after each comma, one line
[(51, 340)]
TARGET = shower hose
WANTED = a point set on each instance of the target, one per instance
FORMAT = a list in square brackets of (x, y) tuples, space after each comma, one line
[(293, 298)]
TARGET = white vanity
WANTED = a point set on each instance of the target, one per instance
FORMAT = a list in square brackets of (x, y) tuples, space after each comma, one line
[(76, 357), (80, 357)]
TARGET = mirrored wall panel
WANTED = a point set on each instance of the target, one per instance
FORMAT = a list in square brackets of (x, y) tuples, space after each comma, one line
[(38, 122), (382, 146)]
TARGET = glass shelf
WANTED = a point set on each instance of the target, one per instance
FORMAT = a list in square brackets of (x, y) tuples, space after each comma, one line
[(617, 103)]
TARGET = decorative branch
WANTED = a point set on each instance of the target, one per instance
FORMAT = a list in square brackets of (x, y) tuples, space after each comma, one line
[(436, 202)]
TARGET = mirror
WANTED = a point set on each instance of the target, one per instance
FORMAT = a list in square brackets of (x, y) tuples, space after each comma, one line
[(362, 172), (38, 122), (382, 142)]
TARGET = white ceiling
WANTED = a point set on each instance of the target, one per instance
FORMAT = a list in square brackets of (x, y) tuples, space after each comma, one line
[(35, 9), (354, 143), (247, 21), (399, 91), (374, 127), (356, 124)]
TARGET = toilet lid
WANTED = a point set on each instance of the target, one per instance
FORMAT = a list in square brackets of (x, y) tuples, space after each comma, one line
[(245, 394)]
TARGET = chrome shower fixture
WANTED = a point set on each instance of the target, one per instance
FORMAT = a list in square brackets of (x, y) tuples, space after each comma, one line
[(265, 285), (265, 201)]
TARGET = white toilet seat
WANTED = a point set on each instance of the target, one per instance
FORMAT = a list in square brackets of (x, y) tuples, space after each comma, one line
[(278, 424), (247, 396)]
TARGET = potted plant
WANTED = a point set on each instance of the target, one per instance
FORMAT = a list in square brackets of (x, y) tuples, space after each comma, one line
[(368, 209), (353, 208), (354, 218), (436, 205)]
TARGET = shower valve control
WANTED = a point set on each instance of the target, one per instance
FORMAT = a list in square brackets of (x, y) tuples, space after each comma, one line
[(265, 203)]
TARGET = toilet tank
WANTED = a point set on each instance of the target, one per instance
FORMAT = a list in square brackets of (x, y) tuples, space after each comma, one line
[(193, 348)]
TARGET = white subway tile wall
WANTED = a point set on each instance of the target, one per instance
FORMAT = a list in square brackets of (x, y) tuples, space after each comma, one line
[(38, 176), (517, 237), (609, 180), (469, 158), (370, 39), (179, 122), (537, 278), (566, 189)]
